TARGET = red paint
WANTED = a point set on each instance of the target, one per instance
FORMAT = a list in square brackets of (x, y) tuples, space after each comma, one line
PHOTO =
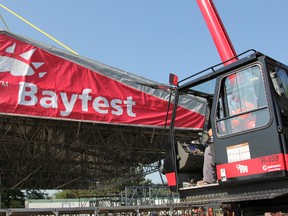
[(217, 31), (261, 165), (171, 178)]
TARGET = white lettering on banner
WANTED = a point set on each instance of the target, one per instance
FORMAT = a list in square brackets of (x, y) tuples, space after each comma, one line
[(27, 96), (129, 104), (32, 91), (51, 101), (101, 102), (118, 109), (85, 97), (68, 104)]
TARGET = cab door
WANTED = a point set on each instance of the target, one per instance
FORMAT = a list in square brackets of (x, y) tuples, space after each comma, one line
[(248, 145)]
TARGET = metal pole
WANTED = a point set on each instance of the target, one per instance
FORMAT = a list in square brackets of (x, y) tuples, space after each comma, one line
[(217, 30), (0, 190)]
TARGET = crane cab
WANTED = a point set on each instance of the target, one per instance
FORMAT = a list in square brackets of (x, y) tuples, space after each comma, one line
[(248, 118), (247, 108)]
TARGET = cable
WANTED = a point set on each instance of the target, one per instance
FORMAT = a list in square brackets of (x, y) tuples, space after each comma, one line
[(38, 29), (4, 23)]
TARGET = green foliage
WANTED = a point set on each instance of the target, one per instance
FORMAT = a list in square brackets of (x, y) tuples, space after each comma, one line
[(16, 198), (67, 194), (36, 194), (12, 199), (115, 187)]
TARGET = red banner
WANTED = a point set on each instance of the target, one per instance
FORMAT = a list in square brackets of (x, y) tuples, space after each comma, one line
[(36, 82)]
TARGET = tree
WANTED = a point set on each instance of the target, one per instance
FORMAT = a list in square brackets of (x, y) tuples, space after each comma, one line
[(67, 194), (104, 190), (12, 198), (16, 198), (36, 194)]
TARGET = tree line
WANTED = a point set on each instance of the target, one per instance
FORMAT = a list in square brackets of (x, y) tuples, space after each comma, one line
[(15, 198)]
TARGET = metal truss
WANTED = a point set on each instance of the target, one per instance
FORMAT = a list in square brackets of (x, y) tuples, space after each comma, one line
[(148, 195), (133, 196), (40, 153)]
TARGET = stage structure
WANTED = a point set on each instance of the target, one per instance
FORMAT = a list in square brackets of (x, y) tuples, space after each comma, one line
[(71, 122)]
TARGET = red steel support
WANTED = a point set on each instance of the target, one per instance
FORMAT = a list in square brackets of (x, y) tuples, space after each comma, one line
[(217, 30)]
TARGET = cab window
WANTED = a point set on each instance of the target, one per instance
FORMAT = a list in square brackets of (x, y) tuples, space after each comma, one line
[(280, 79), (242, 103)]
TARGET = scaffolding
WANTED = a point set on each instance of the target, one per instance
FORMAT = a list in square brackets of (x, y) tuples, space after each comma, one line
[(135, 200), (40, 153), (134, 196)]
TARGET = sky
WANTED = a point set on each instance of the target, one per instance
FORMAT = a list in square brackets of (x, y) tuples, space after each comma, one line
[(152, 38)]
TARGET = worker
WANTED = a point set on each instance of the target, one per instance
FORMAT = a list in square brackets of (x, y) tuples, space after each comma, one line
[(245, 121), (208, 168)]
